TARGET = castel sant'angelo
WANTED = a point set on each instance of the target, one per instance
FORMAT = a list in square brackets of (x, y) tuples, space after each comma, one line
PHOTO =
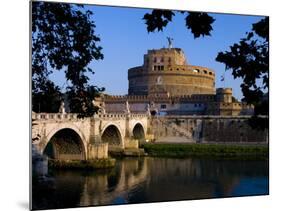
[(166, 83)]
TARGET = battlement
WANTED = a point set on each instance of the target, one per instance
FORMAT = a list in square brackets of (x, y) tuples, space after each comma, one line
[(146, 98)]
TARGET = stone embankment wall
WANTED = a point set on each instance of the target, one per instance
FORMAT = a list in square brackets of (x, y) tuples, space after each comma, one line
[(210, 129)]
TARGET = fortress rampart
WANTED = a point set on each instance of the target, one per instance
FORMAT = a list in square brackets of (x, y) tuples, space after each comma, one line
[(166, 83)]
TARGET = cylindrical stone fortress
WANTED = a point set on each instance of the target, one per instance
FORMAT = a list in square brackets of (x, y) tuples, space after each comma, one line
[(166, 71)]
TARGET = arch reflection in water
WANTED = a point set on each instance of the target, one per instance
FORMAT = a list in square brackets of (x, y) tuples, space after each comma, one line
[(137, 180)]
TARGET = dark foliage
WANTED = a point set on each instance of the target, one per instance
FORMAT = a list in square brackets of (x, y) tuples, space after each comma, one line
[(199, 23), (62, 39), (158, 19), (81, 100), (46, 98), (249, 60)]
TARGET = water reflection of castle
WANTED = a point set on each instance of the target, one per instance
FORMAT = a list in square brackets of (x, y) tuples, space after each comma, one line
[(152, 179), (167, 83)]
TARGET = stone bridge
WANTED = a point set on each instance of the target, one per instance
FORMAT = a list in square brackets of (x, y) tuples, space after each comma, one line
[(65, 136)]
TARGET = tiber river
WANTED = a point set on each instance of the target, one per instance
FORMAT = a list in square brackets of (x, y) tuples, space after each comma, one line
[(140, 180)]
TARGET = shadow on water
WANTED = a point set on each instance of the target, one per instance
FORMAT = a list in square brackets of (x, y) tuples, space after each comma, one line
[(139, 180)]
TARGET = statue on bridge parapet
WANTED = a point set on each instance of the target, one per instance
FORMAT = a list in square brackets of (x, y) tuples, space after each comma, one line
[(127, 110), (62, 107), (100, 104), (153, 108), (148, 111)]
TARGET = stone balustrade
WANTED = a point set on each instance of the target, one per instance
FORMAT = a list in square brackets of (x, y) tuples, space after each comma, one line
[(54, 116), (74, 116)]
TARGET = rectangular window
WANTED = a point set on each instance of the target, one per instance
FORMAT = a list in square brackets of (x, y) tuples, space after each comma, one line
[(163, 106)]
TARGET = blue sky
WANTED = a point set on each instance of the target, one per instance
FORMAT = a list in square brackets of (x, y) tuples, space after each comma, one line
[(125, 40)]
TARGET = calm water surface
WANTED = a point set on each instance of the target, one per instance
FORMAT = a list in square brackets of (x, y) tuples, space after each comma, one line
[(139, 180)]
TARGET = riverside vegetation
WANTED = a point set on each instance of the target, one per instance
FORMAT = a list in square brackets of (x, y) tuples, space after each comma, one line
[(224, 151), (84, 164), (179, 150)]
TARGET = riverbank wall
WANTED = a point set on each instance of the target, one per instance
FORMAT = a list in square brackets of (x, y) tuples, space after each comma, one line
[(208, 129)]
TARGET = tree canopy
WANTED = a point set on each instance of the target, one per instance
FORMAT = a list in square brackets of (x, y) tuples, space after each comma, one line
[(200, 23), (249, 60), (63, 39)]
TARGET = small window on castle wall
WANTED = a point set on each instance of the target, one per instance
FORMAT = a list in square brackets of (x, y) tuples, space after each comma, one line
[(196, 71), (162, 67), (162, 59), (155, 59), (210, 73), (205, 71)]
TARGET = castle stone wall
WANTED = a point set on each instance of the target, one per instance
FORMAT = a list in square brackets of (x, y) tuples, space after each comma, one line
[(166, 70), (210, 129)]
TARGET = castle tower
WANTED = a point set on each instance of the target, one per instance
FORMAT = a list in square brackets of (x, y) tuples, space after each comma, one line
[(166, 72), (224, 95)]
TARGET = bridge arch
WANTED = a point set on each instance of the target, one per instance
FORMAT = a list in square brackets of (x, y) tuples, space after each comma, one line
[(65, 142), (138, 131), (112, 135)]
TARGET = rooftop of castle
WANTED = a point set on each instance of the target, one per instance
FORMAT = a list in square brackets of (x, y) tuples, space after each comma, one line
[(179, 50)]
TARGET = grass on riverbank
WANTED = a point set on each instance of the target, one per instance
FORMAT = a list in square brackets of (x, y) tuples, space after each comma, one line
[(82, 164), (246, 152)]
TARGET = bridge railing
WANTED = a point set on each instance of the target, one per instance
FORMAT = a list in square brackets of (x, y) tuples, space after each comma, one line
[(120, 115), (69, 116), (54, 116)]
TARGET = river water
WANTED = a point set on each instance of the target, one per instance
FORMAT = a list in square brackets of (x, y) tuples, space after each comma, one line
[(147, 179)]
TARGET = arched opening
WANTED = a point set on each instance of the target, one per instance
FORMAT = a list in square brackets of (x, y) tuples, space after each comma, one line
[(138, 132), (65, 144), (112, 136)]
